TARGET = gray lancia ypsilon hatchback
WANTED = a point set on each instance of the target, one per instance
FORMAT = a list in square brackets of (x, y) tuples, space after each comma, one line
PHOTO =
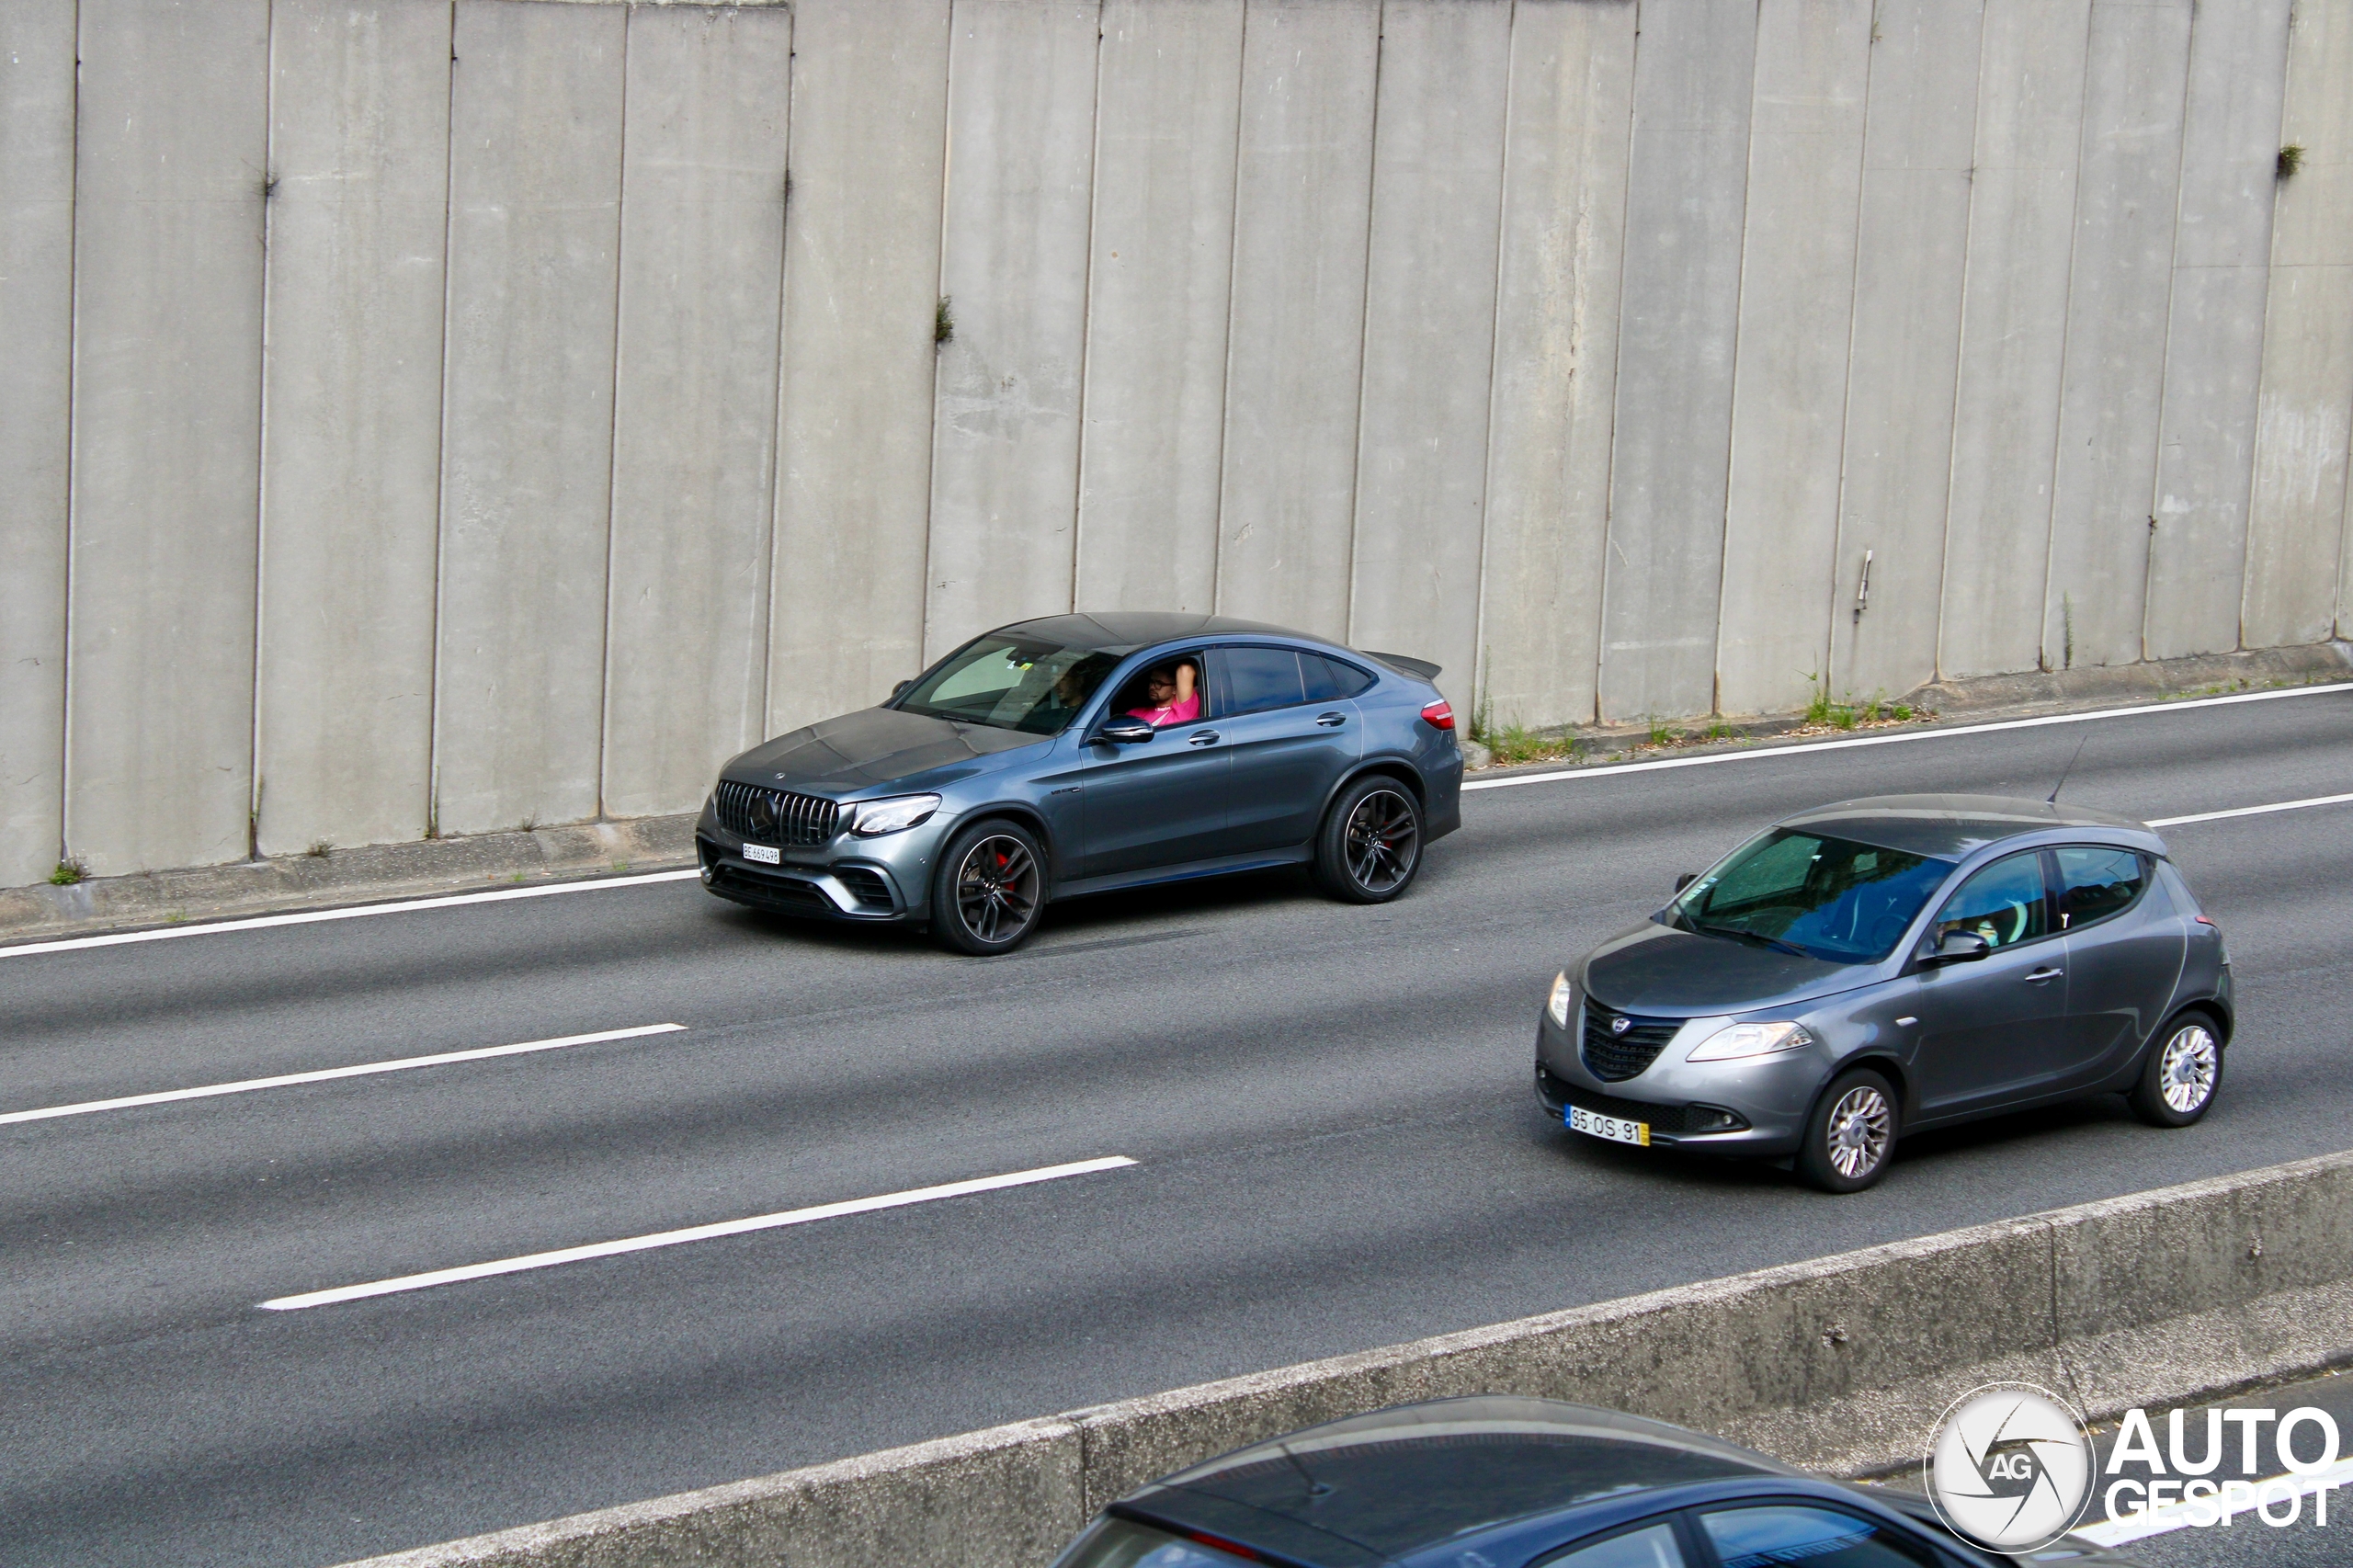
[(1079, 754), (1882, 966)]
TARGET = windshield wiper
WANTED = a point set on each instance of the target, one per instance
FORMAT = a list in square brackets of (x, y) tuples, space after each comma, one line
[(1739, 935)]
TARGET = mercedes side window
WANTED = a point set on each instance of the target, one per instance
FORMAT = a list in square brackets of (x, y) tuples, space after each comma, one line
[(2096, 881), (1258, 679), (1330, 680), (1779, 1534), (2004, 904), (1651, 1546)]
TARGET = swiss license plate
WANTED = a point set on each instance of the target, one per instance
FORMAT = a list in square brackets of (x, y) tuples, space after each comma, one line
[(1613, 1128), (765, 855)]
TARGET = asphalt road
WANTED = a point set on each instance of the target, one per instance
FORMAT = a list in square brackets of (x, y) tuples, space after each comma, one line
[(1329, 1108)]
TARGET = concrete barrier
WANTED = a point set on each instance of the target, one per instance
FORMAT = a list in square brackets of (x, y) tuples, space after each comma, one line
[(1839, 1363)]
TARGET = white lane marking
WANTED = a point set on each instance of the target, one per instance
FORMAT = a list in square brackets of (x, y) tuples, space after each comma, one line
[(2174, 1516), (2252, 811), (694, 1233), (307, 917), (310, 916), (1811, 747), (246, 1086)]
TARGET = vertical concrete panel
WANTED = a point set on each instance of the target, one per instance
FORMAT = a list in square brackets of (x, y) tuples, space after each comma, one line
[(2304, 411), (1013, 260), (36, 383), (694, 419), (870, 108), (1162, 260), (2013, 334), (2238, 56), (1556, 358), (1302, 200), (1806, 162), (1429, 331), (1679, 318), (2119, 282), (172, 146), (1909, 267), (526, 462), (351, 455)]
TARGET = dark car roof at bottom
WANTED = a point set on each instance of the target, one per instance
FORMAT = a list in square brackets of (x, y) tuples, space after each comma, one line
[(1124, 631), (1400, 1481), (1951, 827)]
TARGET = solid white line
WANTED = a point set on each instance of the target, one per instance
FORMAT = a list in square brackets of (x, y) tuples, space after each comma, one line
[(2174, 1516), (694, 1233), (2252, 811), (310, 916), (246, 1086), (1897, 738)]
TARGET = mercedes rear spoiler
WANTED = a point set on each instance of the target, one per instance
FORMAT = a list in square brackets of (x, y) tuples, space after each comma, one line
[(1415, 669)]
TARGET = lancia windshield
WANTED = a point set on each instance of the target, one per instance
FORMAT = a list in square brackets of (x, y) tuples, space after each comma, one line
[(1804, 893)]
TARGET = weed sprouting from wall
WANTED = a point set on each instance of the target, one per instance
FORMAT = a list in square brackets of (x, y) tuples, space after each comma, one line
[(943, 321), (2292, 158), (2067, 630), (70, 869)]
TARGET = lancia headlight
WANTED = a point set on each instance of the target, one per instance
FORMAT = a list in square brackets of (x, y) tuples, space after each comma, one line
[(1739, 1041), (1556, 1007), (876, 818)]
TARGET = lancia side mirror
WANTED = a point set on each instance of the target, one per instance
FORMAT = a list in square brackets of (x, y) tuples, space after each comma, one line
[(1686, 880), (1123, 730), (1958, 946)]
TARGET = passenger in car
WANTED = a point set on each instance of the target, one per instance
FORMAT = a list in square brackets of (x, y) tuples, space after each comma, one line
[(1169, 696)]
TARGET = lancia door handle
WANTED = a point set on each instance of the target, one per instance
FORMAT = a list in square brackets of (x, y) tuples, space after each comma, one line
[(1331, 721), (2040, 975), (1203, 738)]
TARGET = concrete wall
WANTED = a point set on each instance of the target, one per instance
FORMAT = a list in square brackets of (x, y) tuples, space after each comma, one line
[(438, 418), (1839, 1364)]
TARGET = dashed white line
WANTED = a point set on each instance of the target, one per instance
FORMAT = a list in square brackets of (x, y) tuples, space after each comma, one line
[(2252, 811), (1896, 738), (354, 912), (693, 1234), (401, 1065)]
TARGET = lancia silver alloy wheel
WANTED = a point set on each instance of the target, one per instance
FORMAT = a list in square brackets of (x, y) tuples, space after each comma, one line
[(1862, 1125), (2185, 1070)]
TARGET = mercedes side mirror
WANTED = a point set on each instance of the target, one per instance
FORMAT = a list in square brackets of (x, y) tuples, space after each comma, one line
[(901, 687), (1123, 730), (1686, 880), (1958, 946)]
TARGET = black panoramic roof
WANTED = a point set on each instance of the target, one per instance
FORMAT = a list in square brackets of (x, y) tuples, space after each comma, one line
[(1949, 827), (1385, 1486), (1124, 631)]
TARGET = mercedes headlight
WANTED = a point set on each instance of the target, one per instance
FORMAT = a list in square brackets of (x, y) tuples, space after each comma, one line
[(1738, 1042), (897, 814), (1556, 1007)]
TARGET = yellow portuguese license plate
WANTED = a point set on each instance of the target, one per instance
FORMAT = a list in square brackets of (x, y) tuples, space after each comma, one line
[(1618, 1131)]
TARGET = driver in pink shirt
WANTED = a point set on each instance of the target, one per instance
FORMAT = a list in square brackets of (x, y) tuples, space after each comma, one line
[(1172, 699)]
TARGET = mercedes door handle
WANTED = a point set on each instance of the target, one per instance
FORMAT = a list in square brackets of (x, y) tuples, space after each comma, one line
[(2040, 975), (1331, 721), (1203, 738)]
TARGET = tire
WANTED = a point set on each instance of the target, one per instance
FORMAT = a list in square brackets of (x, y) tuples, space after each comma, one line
[(2183, 1072), (1850, 1137), (989, 890), (1371, 844)]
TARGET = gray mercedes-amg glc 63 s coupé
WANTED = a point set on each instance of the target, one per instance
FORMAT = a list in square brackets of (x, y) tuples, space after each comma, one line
[(1079, 754)]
